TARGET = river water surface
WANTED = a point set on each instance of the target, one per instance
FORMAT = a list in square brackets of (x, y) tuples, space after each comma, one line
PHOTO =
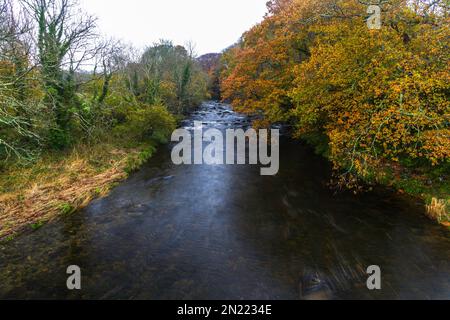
[(226, 232)]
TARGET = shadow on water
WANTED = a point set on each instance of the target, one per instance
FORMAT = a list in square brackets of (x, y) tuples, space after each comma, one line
[(225, 232)]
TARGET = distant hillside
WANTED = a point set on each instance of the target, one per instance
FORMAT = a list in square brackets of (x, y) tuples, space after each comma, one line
[(210, 61)]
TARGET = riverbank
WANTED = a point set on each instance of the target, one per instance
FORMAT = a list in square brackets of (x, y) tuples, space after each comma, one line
[(61, 183), (429, 185), (170, 231)]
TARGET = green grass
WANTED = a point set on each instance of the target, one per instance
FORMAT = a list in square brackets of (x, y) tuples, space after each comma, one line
[(136, 161), (37, 225), (411, 186), (9, 238), (66, 208)]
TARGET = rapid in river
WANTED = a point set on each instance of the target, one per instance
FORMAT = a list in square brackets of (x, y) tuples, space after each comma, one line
[(226, 232)]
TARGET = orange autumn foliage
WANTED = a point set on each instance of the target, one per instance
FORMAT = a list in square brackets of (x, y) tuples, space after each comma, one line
[(375, 94)]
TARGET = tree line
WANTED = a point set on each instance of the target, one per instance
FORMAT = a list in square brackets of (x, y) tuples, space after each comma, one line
[(62, 83), (367, 99)]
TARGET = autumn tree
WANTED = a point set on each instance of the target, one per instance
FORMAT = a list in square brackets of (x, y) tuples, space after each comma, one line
[(371, 96)]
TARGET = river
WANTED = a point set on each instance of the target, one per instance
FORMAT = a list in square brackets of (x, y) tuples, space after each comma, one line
[(226, 232)]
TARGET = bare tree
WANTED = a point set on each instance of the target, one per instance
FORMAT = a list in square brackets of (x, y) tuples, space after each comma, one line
[(64, 37), (15, 110), (110, 59)]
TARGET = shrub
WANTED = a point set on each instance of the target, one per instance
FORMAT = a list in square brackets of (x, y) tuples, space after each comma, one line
[(149, 122)]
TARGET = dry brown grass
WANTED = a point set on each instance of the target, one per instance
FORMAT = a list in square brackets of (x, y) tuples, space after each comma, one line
[(437, 210), (50, 188)]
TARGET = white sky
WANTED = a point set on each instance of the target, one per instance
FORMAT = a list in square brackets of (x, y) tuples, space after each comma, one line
[(212, 25)]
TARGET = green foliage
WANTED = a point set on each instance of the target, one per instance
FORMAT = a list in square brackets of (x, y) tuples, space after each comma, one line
[(54, 105), (66, 208), (441, 172), (170, 75), (8, 239), (319, 141), (58, 139), (52, 111), (411, 186), (37, 225), (148, 123), (135, 162)]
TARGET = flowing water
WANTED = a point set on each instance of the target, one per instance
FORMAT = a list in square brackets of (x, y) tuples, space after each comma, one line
[(226, 232)]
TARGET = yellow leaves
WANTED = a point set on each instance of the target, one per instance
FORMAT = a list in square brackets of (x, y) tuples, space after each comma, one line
[(373, 95), (437, 145)]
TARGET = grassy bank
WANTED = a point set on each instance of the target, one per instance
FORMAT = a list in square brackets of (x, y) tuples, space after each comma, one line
[(60, 183)]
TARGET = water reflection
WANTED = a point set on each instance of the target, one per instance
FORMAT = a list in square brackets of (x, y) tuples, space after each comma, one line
[(225, 232)]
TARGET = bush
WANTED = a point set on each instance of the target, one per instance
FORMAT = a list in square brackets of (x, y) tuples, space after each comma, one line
[(58, 139), (150, 122)]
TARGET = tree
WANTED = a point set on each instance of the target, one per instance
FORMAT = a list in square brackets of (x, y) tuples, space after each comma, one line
[(372, 96), (111, 59), (169, 74), (18, 132), (64, 35)]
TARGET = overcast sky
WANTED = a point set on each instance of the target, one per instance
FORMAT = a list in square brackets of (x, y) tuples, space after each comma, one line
[(212, 25)]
